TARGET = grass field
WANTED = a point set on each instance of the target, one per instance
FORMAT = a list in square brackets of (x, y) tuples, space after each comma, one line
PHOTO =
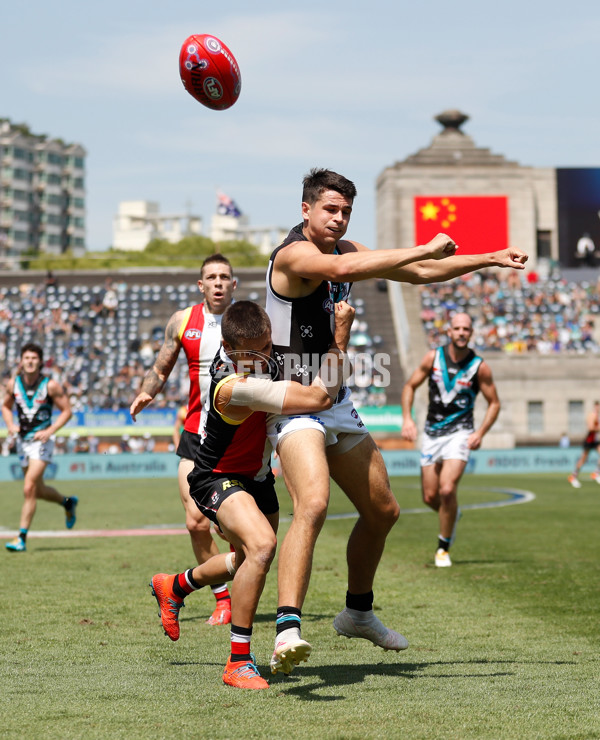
[(503, 645)]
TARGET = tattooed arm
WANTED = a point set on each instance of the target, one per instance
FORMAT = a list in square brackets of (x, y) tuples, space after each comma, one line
[(156, 377)]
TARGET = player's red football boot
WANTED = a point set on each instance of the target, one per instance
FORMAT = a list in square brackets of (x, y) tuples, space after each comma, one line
[(168, 603), (243, 676), (222, 613)]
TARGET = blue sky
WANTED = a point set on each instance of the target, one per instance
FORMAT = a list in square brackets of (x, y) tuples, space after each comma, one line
[(349, 85)]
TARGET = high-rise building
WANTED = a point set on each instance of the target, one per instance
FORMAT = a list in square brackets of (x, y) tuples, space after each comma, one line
[(42, 194)]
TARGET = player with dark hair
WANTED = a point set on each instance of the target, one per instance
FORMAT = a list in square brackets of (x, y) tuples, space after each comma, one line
[(318, 181), (308, 273), (456, 374), (232, 482), (591, 442), (196, 330), (34, 395)]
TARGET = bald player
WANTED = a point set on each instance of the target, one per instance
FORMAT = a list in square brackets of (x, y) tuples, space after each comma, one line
[(456, 374)]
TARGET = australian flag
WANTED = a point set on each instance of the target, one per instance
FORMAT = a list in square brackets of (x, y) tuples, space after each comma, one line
[(226, 206)]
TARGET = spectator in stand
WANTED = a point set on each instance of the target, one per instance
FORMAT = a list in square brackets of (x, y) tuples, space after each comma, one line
[(110, 301), (149, 443), (50, 281), (586, 249), (516, 315), (564, 441)]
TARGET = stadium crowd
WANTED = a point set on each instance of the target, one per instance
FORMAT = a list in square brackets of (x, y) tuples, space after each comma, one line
[(100, 340), (90, 336), (516, 313)]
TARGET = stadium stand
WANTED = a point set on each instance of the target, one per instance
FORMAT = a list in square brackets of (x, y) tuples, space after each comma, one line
[(526, 326), (100, 333), (518, 314)]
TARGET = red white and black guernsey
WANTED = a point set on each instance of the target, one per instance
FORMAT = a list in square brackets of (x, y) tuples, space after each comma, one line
[(228, 446), (233, 455), (200, 336)]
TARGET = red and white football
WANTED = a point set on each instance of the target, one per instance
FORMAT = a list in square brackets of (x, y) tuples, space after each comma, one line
[(209, 71)]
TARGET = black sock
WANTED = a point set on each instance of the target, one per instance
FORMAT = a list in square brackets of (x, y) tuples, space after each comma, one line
[(287, 617), (180, 590), (360, 602), (443, 543), (177, 590), (245, 658)]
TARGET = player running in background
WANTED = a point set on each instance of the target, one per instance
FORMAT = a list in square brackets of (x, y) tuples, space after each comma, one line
[(591, 442), (196, 329), (34, 395), (232, 480), (456, 374), (314, 268)]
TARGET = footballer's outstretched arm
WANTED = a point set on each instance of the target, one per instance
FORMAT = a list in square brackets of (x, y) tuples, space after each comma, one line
[(354, 261), (434, 271)]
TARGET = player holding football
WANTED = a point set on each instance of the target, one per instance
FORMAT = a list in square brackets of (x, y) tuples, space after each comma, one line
[(456, 374), (34, 395), (196, 329), (591, 442), (232, 482), (313, 268)]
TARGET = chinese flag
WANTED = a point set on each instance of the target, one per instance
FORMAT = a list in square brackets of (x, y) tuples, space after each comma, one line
[(477, 223)]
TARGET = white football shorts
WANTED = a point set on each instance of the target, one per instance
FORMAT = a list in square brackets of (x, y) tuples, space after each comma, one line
[(34, 449), (341, 425), (449, 447)]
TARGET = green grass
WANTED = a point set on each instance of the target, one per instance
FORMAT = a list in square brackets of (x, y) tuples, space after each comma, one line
[(503, 645)]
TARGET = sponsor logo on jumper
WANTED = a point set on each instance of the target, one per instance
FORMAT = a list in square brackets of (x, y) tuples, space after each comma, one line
[(192, 334)]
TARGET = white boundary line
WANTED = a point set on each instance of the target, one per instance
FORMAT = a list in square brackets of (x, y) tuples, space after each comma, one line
[(515, 496)]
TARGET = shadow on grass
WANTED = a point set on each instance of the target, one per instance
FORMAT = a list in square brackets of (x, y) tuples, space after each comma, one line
[(459, 563), (327, 677), (349, 675)]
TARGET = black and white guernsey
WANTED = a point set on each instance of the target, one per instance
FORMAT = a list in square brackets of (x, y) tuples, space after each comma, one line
[(453, 387), (302, 328), (34, 405)]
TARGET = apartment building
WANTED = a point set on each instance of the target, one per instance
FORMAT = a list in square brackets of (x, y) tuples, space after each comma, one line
[(42, 194)]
